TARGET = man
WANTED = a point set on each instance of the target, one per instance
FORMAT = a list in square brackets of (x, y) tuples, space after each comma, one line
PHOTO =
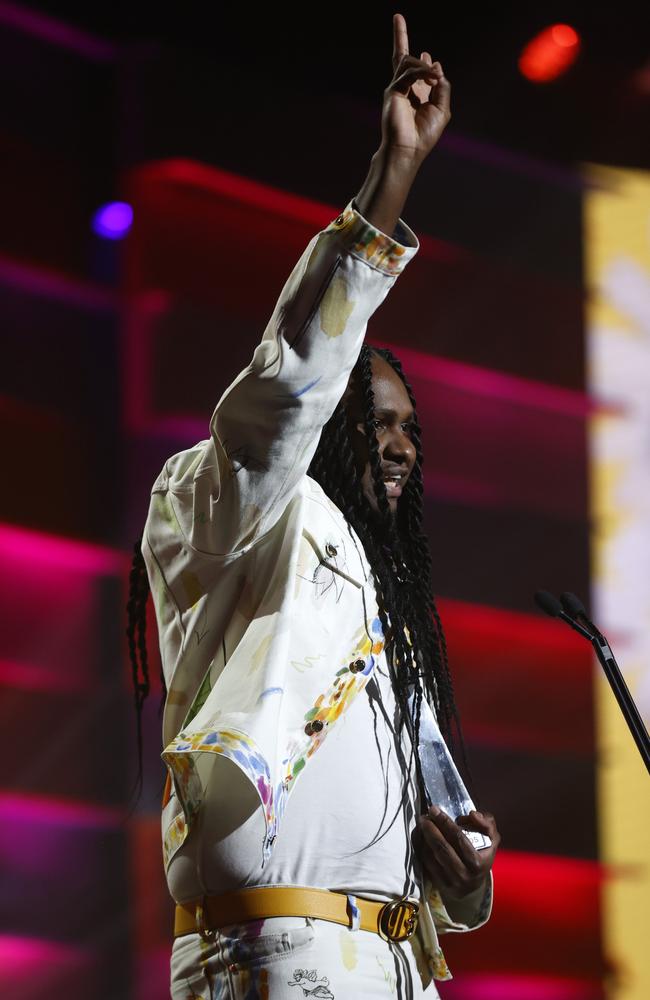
[(301, 647)]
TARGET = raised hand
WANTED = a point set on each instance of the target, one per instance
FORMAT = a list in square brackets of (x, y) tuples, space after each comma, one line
[(415, 111), (416, 101)]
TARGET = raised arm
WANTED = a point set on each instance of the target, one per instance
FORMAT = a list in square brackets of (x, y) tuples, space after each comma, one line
[(265, 429)]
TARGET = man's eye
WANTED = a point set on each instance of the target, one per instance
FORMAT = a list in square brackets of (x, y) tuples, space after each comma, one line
[(377, 423)]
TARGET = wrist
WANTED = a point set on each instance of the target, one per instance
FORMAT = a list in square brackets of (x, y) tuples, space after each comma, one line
[(384, 192), (398, 160)]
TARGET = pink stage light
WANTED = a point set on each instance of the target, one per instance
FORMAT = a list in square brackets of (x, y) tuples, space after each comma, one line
[(48, 283), (42, 550), (36, 678), (152, 973), (52, 596), (189, 173), (45, 810), (54, 841), (57, 32), (21, 956), (113, 220), (514, 987), (550, 53)]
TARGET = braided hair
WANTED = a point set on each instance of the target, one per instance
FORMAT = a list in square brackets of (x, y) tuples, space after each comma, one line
[(136, 634), (398, 553)]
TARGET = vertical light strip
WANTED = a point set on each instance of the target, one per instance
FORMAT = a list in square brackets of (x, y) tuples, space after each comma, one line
[(617, 261)]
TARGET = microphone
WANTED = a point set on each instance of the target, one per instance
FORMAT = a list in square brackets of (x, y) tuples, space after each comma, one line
[(569, 610), (576, 609), (550, 604), (572, 604)]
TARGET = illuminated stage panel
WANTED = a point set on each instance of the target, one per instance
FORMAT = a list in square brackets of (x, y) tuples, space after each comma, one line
[(28, 677), (152, 973), (37, 969), (490, 315), (201, 233), (36, 701), (53, 589), (522, 680), (523, 688), (497, 441), (55, 850), (61, 685), (545, 921), (522, 987)]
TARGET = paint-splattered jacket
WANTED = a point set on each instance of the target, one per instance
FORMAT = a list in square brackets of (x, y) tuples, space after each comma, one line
[(266, 611)]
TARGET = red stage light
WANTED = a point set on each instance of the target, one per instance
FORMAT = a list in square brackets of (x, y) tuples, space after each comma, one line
[(550, 53), (564, 35)]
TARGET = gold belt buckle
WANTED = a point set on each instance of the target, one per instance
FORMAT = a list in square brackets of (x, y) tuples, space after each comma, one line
[(398, 920)]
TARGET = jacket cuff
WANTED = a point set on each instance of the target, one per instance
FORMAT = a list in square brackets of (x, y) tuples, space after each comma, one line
[(390, 254), (464, 913)]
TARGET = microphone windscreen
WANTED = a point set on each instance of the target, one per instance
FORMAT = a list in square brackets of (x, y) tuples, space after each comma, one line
[(573, 605), (548, 603)]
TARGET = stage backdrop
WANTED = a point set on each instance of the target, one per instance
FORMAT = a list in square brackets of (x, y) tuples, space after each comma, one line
[(489, 322)]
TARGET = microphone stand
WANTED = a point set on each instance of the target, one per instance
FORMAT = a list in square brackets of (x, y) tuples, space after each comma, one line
[(622, 694), (550, 604)]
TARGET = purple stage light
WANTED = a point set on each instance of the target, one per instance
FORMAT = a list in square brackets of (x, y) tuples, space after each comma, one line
[(113, 220)]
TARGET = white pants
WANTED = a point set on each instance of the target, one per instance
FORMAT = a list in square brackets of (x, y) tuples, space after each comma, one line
[(289, 958)]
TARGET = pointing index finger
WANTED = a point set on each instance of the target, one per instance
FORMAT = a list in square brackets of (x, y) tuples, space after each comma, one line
[(400, 39)]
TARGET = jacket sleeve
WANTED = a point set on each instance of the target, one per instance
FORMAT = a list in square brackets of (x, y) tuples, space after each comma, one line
[(233, 487)]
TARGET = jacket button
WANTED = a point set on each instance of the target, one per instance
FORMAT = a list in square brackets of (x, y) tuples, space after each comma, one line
[(357, 666), (330, 550), (313, 727)]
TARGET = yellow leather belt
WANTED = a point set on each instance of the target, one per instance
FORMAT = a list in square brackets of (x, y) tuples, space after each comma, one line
[(393, 921)]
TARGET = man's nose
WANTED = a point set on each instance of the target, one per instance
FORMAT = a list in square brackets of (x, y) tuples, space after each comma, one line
[(400, 447)]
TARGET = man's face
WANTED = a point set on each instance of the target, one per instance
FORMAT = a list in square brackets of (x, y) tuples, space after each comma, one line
[(393, 418)]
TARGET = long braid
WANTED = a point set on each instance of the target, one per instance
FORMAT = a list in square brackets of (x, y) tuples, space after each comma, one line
[(136, 632), (398, 553)]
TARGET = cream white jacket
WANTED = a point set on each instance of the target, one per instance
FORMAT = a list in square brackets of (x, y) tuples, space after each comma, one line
[(266, 610)]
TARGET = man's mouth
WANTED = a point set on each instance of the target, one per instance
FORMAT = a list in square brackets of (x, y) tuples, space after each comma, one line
[(394, 483)]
